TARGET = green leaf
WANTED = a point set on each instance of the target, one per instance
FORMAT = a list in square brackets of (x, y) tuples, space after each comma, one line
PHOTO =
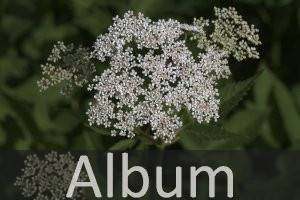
[(276, 126), (271, 129), (246, 122), (99, 130), (288, 110), (263, 88), (232, 93), (197, 136), (205, 132), (123, 144)]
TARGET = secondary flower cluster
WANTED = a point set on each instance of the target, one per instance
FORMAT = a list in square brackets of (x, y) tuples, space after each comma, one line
[(231, 34), (48, 178), (153, 74), (69, 65)]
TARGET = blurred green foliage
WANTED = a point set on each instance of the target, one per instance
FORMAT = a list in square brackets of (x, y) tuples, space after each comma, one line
[(261, 102)]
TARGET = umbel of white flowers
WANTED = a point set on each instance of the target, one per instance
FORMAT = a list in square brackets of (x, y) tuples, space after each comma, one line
[(153, 74), (48, 178)]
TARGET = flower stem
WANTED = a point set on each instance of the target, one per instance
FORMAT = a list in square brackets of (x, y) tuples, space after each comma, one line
[(149, 139)]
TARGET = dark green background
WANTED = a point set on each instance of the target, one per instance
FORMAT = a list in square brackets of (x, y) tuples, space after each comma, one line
[(268, 116)]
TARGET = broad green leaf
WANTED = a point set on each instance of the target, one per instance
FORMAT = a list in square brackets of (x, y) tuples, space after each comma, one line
[(232, 93), (263, 91), (246, 122), (205, 132), (123, 144), (240, 129), (197, 136), (276, 124), (263, 88), (288, 110)]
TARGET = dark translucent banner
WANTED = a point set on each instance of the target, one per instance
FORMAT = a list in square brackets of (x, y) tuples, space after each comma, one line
[(267, 175)]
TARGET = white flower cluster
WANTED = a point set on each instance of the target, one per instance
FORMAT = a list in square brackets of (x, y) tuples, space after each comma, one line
[(66, 64), (231, 34), (150, 84), (49, 178), (153, 75)]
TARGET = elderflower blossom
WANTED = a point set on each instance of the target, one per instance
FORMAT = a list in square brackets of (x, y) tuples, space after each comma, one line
[(231, 34), (66, 64), (154, 84), (48, 178), (153, 74)]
